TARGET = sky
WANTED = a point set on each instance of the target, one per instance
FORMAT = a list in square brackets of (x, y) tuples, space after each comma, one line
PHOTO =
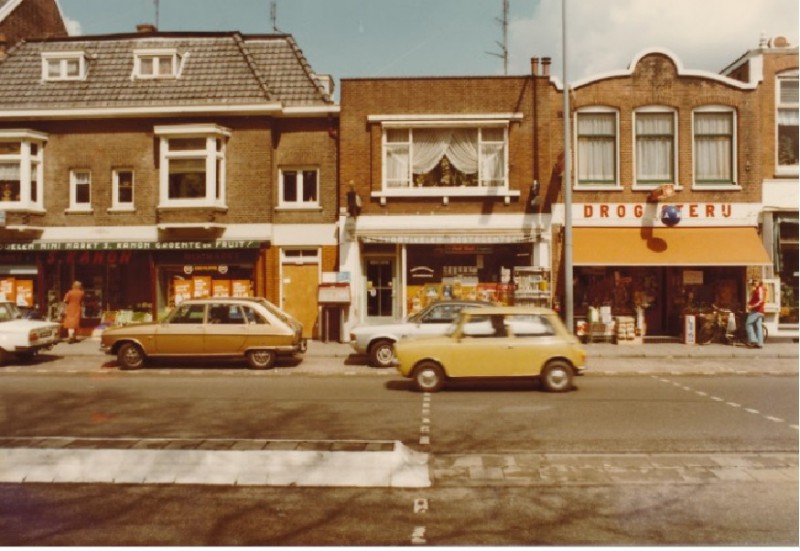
[(359, 38)]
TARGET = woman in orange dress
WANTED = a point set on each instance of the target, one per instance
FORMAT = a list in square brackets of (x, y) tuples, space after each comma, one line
[(72, 310)]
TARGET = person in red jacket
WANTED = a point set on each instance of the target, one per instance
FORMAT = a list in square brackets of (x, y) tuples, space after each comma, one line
[(755, 315), (72, 311)]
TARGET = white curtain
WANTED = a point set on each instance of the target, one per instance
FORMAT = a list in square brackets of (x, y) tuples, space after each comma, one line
[(492, 163), (9, 172), (713, 146), (596, 148), (654, 143), (463, 150), (788, 117), (460, 147), (397, 165)]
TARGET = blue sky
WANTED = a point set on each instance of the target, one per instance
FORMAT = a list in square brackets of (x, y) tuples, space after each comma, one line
[(352, 38)]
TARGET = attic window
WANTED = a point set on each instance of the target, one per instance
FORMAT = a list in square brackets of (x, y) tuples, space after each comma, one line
[(163, 63), (63, 66)]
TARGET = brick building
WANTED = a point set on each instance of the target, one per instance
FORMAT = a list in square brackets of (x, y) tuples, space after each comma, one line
[(157, 166), (21, 19)]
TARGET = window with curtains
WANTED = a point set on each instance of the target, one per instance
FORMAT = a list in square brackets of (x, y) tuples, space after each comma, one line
[(787, 123), (192, 165), (714, 148), (444, 157), (655, 148), (80, 190), (597, 148), (299, 188), (21, 171)]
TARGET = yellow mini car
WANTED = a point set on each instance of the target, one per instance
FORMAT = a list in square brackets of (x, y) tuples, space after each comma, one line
[(251, 328), (495, 342)]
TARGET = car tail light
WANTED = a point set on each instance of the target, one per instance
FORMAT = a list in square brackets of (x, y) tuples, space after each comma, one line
[(33, 336)]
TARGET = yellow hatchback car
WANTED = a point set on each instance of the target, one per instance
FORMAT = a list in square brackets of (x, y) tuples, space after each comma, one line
[(495, 342)]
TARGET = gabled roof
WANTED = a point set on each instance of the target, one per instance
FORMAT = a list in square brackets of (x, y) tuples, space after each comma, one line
[(218, 69)]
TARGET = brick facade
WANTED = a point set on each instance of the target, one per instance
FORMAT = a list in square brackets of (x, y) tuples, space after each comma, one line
[(33, 19)]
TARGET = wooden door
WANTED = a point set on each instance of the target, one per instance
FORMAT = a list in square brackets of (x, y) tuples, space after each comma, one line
[(299, 293)]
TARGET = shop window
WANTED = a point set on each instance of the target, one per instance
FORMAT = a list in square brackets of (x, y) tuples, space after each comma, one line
[(156, 64), (597, 155), (299, 188), (21, 172), (122, 189), (63, 66), (442, 157), (655, 148), (787, 118), (80, 190), (714, 148), (192, 160)]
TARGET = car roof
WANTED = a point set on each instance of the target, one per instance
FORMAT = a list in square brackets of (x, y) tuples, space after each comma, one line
[(509, 310), (205, 300)]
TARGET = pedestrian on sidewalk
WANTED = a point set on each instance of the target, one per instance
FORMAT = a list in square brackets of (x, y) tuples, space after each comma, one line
[(72, 315), (755, 315)]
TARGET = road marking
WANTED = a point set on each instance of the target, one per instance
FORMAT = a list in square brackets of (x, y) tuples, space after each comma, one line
[(751, 410), (775, 419), (418, 536)]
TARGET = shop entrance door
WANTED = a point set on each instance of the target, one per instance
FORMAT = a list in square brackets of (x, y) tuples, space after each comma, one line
[(299, 283), (380, 287)]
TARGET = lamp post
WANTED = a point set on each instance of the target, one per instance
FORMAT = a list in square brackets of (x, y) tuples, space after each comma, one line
[(566, 180)]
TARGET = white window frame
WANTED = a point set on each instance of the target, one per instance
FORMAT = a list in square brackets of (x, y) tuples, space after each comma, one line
[(116, 203), (652, 184), (158, 57), (75, 179), (213, 156), (616, 185), (31, 168), (784, 170), (299, 204), (444, 121), (718, 186), (63, 60)]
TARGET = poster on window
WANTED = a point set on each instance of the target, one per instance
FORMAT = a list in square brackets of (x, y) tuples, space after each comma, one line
[(183, 290), (6, 289), (241, 288), (221, 288), (24, 289), (201, 286)]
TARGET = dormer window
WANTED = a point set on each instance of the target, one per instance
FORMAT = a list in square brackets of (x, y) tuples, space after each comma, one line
[(63, 66), (156, 64)]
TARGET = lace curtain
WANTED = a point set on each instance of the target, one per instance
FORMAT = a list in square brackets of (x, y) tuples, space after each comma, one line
[(460, 147), (596, 148), (654, 144), (713, 140)]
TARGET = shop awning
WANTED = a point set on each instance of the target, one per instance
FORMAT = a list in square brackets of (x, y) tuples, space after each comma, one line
[(667, 247)]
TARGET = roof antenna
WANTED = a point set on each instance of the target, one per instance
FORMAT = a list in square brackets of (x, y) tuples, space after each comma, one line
[(156, 5), (504, 45), (273, 15)]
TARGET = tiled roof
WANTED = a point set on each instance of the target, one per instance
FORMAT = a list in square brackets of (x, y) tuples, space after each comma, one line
[(218, 69)]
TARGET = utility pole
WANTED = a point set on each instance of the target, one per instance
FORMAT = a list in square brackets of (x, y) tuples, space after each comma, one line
[(504, 45), (566, 180)]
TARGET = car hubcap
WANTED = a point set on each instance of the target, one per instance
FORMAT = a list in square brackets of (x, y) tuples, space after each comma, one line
[(427, 378), (558, 378), (385, 355)]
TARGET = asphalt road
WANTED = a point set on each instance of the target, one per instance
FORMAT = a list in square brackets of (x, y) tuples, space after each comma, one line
[(622, 460)]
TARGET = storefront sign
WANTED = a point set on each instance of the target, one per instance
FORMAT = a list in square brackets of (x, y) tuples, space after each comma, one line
[(131, 246), (593, 211)]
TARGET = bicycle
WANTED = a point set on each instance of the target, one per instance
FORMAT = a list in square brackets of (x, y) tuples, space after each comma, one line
[(724, 326)]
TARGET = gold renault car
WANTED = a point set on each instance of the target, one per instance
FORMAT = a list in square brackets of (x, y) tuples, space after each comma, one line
[(521, 342), (224, 328)]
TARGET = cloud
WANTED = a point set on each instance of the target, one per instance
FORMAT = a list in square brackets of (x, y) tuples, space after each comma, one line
[(606, 35), (73, 26)]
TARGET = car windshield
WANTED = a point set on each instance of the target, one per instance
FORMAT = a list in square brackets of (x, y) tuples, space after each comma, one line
[(274, 310), (9, 312)]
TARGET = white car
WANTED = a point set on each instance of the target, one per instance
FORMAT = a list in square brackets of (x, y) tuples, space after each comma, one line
[(21, 337), (378, 340)]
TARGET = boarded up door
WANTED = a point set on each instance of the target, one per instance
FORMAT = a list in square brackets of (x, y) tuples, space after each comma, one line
[(299, 292)]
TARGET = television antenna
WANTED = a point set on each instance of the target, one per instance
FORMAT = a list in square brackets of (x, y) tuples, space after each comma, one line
[(503, 45)]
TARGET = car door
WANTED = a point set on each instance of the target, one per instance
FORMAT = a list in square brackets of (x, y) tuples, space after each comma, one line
[(485, 349), (225, 331), (535, 342), (182, 333)]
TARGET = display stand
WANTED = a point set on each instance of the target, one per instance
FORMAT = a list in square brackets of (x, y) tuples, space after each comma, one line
[(532, 286)]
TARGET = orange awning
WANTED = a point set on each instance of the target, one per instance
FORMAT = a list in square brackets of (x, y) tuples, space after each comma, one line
[(667, 247)]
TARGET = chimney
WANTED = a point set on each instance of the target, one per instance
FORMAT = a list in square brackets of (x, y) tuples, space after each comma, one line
[(546, 66), (535, 66), (146, 28)]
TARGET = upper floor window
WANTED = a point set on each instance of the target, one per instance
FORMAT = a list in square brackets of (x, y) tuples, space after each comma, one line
[(442, 157), (192, 162), (80, 190), (597, 148), (156, 63), (655, 148), (714, 147), (21, 169), (63, 66), (787, 123), (122, 189), (299, 188)]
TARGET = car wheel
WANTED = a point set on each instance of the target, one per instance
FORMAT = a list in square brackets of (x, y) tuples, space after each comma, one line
[(428, 377), (261, 359), (557, 376), (130, 356), (381, 353)]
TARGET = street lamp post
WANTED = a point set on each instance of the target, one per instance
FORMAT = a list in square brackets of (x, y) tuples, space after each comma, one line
[(566, 180)]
